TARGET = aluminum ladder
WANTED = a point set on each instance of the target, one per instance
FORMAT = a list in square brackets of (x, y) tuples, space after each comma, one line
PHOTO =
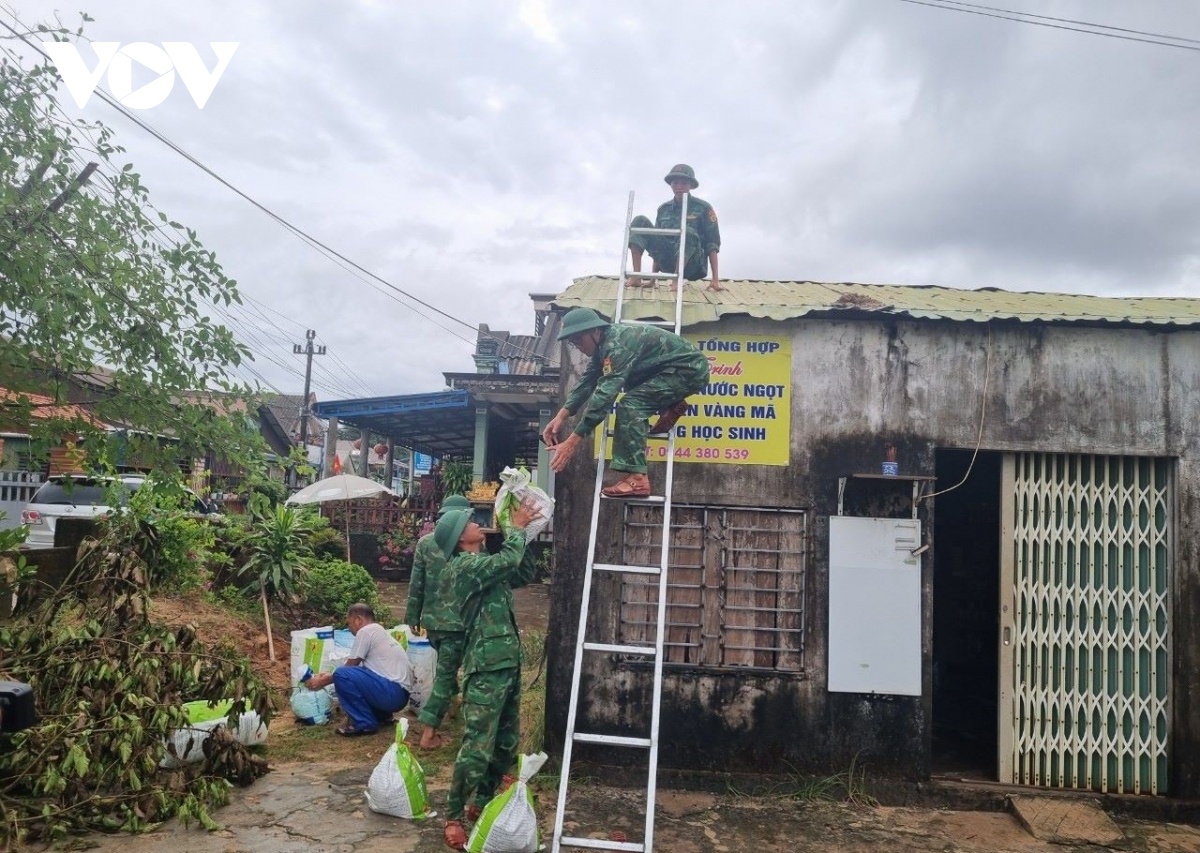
[(655, 652)]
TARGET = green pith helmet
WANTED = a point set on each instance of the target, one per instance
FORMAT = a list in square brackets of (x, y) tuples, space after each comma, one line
[(682, 170), (453, 502), (579, 320), (450, 529)]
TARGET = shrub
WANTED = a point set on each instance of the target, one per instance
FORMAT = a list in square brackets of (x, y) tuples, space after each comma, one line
[(330, 587), (327, 543)]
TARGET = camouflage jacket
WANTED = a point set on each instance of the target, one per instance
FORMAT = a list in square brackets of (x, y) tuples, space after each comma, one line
[(483, 585), (701, 217), (431, 603), (628, 356)]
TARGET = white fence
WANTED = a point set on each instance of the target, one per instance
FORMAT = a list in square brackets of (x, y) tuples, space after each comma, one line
[(16, 488)]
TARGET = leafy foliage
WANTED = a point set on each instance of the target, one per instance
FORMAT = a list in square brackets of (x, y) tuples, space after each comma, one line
[(328, 590), (396, 547), (327, 543), (277, 548), (184, 542), (96, 284), (456, 477), (111, 686)]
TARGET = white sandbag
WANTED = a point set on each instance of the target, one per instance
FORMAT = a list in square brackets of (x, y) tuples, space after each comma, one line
[(423, 659), (397, 784), (509, 824), (189, 741), (312, 648), (516, 489), (312, 707)]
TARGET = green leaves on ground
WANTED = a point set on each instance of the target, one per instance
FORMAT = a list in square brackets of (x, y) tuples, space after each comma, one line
[(110, 687)]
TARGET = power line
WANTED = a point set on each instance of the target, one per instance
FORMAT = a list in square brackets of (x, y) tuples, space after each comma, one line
[(1044, 21), (330, 253)]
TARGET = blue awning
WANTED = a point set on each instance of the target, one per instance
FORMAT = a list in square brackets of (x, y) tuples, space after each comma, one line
[(441, 423)]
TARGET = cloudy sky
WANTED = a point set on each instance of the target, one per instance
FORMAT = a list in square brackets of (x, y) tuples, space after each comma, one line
[(471, 153)]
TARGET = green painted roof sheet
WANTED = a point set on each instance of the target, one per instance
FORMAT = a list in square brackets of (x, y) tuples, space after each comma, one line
[(785, 300)]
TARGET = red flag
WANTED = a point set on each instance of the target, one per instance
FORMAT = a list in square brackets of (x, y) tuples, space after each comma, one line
[(337, 464)]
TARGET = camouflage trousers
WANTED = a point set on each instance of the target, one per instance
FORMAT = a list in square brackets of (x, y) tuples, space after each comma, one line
[(491, 730), (665, 250), (449, 646), (641, 401)]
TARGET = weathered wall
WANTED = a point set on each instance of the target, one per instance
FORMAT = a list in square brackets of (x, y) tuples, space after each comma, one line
[(858, 385)]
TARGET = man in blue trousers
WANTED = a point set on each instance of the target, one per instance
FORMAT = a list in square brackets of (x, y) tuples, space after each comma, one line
[(376, 679)]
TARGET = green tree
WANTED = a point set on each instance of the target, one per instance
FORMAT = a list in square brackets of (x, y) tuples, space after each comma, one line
[(278, 547), (96, 283)]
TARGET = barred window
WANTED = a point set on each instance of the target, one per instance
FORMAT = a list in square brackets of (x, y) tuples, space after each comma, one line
[(735, 585)]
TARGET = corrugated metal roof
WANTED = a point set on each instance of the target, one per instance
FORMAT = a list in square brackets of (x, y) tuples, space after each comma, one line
[(782, 300)]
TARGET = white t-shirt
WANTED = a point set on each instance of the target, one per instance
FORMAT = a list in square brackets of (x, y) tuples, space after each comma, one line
[(380, 653)]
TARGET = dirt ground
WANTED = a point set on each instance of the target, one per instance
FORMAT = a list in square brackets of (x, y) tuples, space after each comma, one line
[(312, 801)]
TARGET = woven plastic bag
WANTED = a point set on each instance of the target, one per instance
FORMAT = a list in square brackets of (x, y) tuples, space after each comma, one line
[(397, 784), (515, 488), (312, 707), (188, 742), (509, 824)]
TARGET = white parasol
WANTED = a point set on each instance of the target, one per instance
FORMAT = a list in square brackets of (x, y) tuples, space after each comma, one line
[(340, 487)]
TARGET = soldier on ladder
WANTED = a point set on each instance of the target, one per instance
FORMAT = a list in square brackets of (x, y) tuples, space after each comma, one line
[(658, 371)]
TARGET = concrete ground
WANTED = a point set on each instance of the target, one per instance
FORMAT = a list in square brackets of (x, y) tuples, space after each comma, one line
[(313, 802), (320, 808)]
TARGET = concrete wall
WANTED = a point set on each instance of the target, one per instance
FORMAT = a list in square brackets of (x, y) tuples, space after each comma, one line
[(858, 385)]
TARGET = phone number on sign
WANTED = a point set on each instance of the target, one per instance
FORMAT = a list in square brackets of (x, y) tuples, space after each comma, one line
[(730, 453)]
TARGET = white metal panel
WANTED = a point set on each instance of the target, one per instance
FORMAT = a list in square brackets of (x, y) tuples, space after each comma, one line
[(874, 606)]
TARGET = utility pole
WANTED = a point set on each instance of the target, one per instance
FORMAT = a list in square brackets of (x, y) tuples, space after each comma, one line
[(308, 350)]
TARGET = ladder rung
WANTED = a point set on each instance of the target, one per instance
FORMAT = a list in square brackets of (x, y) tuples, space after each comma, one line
[(599, 844), (648, 651), (665, 276), (633, 570), (652, 499), (651, 229), (613, 740), (654, 436)]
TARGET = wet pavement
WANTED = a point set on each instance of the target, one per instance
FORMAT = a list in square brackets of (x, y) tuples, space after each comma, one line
[(319, 806)]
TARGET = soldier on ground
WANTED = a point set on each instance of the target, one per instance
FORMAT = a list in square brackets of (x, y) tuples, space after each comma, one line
[(482, 584), (432, 608)]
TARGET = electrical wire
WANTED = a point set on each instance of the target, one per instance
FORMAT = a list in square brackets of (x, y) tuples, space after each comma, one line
[(365, 275), (987, 375), (1086, 27)]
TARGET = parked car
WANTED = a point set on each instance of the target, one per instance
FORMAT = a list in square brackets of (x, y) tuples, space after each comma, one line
[(80, 496)]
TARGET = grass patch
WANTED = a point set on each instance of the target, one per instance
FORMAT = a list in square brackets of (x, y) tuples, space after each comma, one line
[(533, 692), (848, 786)]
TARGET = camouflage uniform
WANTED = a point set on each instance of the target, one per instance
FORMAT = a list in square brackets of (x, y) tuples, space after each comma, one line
[(656, 368), (483, 583), (432, 605), (703, 236)]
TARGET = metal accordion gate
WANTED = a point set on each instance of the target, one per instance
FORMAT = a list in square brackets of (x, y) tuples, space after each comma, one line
[(1086, 560)]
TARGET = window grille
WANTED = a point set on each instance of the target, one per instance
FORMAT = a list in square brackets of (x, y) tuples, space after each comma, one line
[(735, 585)]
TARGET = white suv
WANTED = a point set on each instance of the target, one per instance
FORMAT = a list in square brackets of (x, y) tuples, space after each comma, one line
[(78, 496)]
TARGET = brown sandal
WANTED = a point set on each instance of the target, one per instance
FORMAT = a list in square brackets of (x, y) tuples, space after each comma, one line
[(668, 416), (633, 486), (454, 835)]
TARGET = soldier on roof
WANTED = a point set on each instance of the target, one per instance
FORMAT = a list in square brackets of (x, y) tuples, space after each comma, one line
[(703, 236)]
